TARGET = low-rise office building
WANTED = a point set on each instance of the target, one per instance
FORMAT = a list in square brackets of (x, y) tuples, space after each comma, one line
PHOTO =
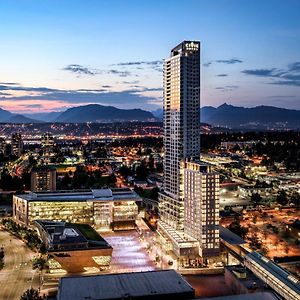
[(102, 208), (74, 247)]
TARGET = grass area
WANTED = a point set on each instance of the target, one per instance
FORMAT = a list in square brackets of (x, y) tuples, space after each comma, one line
[(88, 232)]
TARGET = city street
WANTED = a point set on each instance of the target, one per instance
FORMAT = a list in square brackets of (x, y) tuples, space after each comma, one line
[(17, 274)]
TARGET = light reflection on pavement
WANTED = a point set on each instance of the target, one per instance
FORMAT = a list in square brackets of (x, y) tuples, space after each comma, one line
[(129, 254)]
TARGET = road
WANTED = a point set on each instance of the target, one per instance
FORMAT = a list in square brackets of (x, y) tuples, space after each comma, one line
[(17, 275)]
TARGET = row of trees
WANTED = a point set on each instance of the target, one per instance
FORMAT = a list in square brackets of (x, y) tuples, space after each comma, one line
[(84, 179), (29, 236), (1, 258), (281, 198)]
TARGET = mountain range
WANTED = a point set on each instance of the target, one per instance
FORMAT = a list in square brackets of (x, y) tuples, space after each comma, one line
[(259, 117)]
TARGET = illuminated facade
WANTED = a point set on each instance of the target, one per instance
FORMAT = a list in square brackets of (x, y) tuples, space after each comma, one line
[(16, 144), (2, 146), (201, 206), (104, 208), (181, 125), (47, 144), (188, 205), (43, 179)]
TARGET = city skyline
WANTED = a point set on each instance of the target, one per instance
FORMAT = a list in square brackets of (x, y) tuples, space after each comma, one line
[(56, 56)]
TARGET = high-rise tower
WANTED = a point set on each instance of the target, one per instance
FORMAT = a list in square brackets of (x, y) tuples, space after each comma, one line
[(181, 123), (189, 201)]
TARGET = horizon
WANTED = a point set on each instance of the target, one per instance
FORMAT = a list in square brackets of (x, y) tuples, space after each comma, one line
[(32, 114), (58, 56)]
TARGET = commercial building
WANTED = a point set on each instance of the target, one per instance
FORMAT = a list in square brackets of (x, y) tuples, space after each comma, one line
[(47, 144), (166, 284), (16, 144), (2, 146), (74, 247), (43, 179), (189, 203), (103, 208)]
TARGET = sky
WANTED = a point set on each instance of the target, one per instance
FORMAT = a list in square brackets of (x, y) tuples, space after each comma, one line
[(55, 54)]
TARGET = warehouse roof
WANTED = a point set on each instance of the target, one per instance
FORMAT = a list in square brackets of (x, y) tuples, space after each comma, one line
[(125, 285)]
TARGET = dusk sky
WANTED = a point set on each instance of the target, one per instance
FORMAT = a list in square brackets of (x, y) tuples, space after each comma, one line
[(58, 54)]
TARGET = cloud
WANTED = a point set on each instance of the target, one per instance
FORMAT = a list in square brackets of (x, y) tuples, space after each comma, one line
[(9, 83), (130, 82), (154, 64), (229, 61), (290, 76), (117, 72), (227, 88), (260, 72), (102, 96), (286, 82), (5, 94), (207, 64), (78, 69), (222, 75), (138, 63)]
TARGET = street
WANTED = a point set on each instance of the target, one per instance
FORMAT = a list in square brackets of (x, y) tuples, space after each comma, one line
[(17, 275)]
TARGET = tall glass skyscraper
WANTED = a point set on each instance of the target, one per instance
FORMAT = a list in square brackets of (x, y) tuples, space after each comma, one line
[(182, 198)]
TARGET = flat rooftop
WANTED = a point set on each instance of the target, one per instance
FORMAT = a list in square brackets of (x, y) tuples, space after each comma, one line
[(167, 284), (69, 235), (113, 194)]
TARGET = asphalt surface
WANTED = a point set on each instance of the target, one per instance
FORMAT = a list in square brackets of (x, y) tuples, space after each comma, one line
[(17, 275)]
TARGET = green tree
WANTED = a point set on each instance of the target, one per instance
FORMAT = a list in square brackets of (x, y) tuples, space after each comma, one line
[(256, 199), (239, 230), (31, 294), (282, 198), (295, 198)]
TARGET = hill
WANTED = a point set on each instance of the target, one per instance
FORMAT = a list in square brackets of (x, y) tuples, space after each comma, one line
[(259, 117), (103, 114)]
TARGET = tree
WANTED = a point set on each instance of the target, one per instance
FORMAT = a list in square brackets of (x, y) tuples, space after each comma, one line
[(39, 264), (295, 198), (142, 171), (31, 294), (256, 199), (255, 243), (239, 230), (282, 198)]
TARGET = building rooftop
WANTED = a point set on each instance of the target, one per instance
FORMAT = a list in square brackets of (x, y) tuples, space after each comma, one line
[(62, 235), (154, 284), (113, 194)]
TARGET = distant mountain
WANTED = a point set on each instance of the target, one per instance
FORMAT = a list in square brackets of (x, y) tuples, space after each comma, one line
[(5, 115), (259, 117), (207, 112), (158, 113), (46, 117), (103, 114), (21, 119)]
